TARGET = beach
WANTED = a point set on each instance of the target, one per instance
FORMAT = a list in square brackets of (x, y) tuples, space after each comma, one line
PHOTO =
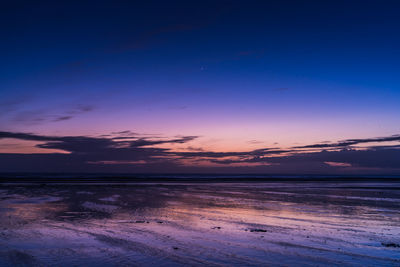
[(201, 224)]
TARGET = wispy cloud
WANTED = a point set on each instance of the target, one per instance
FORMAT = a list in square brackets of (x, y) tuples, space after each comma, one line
[(63, 118), (351, 142), (32, 117), (11, 105), (255, 142)]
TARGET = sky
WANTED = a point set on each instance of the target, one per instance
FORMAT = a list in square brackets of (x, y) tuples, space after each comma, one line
[(274, 87)]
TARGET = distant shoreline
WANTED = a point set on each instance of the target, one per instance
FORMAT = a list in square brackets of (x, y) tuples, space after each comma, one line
[(40, 178)]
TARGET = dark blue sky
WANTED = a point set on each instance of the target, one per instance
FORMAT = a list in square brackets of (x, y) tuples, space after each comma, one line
[(238, 75)]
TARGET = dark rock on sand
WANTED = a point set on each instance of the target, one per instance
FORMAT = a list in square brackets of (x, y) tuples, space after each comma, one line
[(258, 230), (391, 245)]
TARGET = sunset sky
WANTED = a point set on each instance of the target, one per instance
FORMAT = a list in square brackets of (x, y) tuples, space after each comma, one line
[(280, 87)]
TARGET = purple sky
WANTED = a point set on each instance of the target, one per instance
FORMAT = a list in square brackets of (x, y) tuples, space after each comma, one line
[(206, 86)]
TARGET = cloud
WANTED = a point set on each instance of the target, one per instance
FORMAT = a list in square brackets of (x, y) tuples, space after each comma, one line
[(255, 142), (90, 153), (133, 153), (197, 149), (146, 142), (216, 155), (8, 106), (125, 133), (63, 118), (178, 107), (82, 109), (371, 158), (100, 146), (32, 117), (350, 142), (338, 164)]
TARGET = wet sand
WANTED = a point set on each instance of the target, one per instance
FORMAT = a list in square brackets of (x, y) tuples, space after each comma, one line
[(196, 224)]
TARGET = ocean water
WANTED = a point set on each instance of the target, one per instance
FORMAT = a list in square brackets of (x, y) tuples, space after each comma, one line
[(219, 223)]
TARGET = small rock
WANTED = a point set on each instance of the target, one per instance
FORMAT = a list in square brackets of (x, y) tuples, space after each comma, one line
[(391, 245), (258, 230)]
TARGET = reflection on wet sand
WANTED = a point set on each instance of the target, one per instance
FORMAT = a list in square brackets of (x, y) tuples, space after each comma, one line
[(224, 224)]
